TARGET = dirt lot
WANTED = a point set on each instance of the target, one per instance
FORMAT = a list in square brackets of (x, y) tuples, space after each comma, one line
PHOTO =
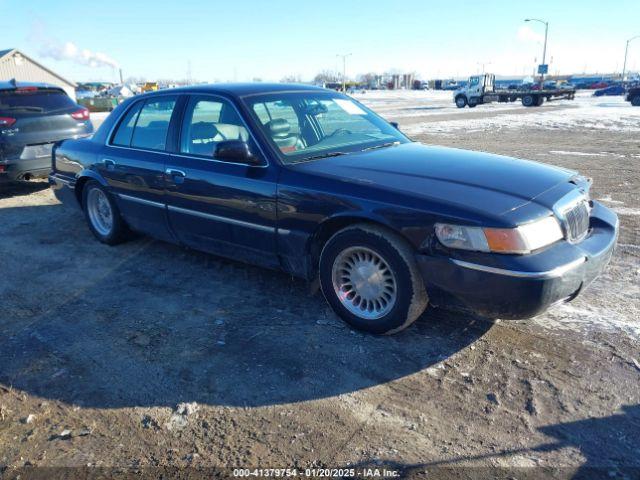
[(147, 354)]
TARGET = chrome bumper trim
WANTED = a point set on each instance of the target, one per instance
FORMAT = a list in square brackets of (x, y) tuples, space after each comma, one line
[(554, 273)]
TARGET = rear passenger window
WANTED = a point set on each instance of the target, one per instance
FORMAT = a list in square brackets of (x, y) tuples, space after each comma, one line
[(151, 128), (208, 121), (124, 132)]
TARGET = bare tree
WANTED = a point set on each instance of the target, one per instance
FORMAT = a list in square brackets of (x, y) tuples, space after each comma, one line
[(291, 79), (325, 76)]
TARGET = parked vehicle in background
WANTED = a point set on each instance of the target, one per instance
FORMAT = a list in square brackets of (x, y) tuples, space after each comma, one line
[(548, 85), (32, 117), (481, 89), (150, 87), (597, 85), (610, 91), (633, 96), (99, 104), (311, 182)]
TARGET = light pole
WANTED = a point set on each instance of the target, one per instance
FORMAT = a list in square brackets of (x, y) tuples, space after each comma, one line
[(544, 49), (626, 50), (483, 65), (344, 69)]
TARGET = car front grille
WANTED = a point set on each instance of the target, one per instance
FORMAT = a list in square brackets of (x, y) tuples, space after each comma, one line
[(575, 218)]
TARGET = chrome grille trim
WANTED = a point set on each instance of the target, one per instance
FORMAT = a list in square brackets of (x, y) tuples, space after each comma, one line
[(573, 211)]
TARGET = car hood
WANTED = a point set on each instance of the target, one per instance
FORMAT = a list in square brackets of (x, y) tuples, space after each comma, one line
[(478, 181)]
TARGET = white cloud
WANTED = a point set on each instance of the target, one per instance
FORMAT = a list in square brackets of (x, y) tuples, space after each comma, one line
[(50, 47), (527, 34), (70, 51)]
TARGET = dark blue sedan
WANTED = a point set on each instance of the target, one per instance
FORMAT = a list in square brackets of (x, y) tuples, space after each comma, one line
[(613, 90), (311, 182)]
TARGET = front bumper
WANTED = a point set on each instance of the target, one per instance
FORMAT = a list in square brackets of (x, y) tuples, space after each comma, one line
[(521, 286)]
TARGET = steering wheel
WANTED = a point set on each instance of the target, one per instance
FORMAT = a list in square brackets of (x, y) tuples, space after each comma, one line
[(340, 131)]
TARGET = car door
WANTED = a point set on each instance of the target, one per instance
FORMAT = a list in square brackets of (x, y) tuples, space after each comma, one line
[(221, 207), (133, 163)]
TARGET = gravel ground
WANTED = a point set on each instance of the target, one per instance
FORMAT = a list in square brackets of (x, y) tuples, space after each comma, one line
[(150, 355)]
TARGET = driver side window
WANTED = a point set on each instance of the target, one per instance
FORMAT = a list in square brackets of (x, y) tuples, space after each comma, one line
[(208, 121)]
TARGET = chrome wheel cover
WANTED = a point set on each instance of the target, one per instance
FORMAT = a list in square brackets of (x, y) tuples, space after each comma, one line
[(364, 283), (100, 212)]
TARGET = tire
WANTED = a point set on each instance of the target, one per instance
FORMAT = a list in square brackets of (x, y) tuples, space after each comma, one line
[(104, 219), (461, 101), (528, 100), (540, 101), (635, 101), (473, 103), (392, 303)]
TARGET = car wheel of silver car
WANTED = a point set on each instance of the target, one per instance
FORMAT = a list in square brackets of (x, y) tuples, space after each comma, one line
[(370, 278), (102, 214)]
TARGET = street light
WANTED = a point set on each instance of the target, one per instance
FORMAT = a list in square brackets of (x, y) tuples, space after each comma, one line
[(626, 50), (344, 69), (544, 50), (483, 65)]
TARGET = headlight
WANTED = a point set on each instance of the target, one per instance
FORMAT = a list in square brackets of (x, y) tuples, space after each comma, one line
[(522, 239)]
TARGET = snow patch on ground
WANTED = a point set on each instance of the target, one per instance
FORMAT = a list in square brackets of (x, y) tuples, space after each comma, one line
[(626, 210), (584, 112), (568, 317), (577, 154), (608, 199)]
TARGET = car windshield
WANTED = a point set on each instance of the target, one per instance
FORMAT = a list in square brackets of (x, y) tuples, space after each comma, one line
[(304, 126)]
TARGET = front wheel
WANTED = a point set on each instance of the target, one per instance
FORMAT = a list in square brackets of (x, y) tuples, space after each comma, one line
[(370, 278), (102, 214), (461, 101), (635, 101)]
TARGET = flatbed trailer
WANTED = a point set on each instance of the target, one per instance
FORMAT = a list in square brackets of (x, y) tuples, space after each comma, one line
[(481, 89)]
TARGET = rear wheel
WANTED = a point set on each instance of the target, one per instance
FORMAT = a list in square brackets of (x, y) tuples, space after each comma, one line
[(529, 100), (370, 278), (635, 101), (461, 101), (102, 214)]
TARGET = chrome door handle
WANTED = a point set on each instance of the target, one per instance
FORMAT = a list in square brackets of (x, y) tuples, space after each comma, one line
[(172, 172), (109, 164)]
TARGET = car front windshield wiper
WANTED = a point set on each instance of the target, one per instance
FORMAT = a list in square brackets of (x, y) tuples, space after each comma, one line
[(323, 155), (382, 145)]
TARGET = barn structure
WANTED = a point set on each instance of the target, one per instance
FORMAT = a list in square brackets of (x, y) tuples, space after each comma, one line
[(15, 64)]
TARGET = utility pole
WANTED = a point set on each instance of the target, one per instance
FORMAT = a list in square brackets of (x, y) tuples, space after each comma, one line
[(626, 51), (544, 49), (344, 69)]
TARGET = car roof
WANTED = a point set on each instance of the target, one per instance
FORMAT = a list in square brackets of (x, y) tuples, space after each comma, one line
[(12, 85), (242, 89)]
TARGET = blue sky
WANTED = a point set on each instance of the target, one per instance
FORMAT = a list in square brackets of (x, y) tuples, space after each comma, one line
[(246, 39)]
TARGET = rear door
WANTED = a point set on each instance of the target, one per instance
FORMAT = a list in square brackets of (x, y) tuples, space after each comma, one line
[(133, 162), (224, 208)]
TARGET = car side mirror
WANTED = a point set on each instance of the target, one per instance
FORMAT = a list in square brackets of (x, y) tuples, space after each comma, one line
[(236, 151), (395, 125)]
